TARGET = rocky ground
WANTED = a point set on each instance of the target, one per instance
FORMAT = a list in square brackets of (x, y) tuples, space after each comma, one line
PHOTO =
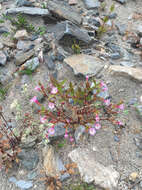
[(64, 38)]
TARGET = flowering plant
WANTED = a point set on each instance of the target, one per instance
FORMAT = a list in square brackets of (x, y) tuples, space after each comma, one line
[(76, 105)]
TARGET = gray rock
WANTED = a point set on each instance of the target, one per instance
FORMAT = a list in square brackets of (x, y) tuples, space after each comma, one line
[(115, 55), (1, 46), (29, 11), (64, 11), (139, 110), (52, 164), (92, 4), (78, 133), (121, 29), (31, 64), (84, 64), (32, 175), (20, 3), (127, 63), (138, 141), (22, 57), (132, 101), (121, 1), (28, 142), (49, 62), (28, 158), (59, 131), (24, 184), (3, 29), (112, 15), (24, 45), (3, 58), (139, 30), (92, 171), (65, 32), (135, 73)]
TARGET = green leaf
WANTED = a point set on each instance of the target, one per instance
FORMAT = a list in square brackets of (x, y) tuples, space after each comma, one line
[(105, 19), (112, 8)]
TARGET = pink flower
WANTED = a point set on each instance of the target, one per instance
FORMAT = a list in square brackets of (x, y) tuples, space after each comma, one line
[(87, 77), (92, 131), (54, 90), (43, 119), (121, 106), (51, 131), (97, 118), (51, 105), (97, 126), (34, 99), (119, 123), (66, 135), (47, 135), (107, 102), (37, 88), (71, 139), (104, 86)]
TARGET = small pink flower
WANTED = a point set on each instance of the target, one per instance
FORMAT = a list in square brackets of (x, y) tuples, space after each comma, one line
[(119, 123), (92, 131), (43, 119), (37, 88), (97, 126), (97, 118), (54, 90), (87, 77), (107, 102), (51, 105), (66, 135), (71, 139), (121, 106), (104, 86), (68, 121), (47, 135), (34, 99), (51, 131)]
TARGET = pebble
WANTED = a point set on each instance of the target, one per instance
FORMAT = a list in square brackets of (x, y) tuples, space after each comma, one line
[(133, 176), (23, 185), (3, 58), (1, 46), (116, 138), (49, 62), (31, 64), (115, 56), (21, 34)]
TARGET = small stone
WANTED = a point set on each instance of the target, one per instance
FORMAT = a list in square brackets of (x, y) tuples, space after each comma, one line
[(73, 2), (115, 56), (28, 158), (78, 133), (134, 73), (24, 45), (49, 62), (52, 164), (63, 11), (138, 141), (28, 142), (139, 110), (3, 29), (122, 1), (1, 46), (132, 101), (93, 171), (116, 138), (65, 32), (31, 64), (3, 58), (112, 15), (20, 3), (22, 57), (139, 30), (28, 10), (21, 34), (121, 29), (84, 64), (133, 176), (126, 64), (92, 4), (24, 184)]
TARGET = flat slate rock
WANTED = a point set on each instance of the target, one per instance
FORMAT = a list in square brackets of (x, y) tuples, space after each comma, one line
[(84, 64), (66, 31), (64, 11), (28, 10)]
